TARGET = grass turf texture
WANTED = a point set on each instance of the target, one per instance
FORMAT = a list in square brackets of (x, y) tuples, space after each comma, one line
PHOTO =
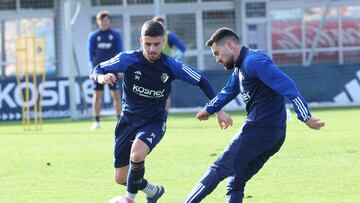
[(66, 162)]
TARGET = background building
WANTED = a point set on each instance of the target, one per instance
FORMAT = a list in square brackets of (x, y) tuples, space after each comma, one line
[(316, 42)]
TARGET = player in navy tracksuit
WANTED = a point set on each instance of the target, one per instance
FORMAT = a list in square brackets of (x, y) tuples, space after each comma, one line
[(148, 75), (263, 87), (104, 44)]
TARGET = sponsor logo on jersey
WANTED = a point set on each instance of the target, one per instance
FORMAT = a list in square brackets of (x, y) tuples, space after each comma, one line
[(104, 45), (164, 77), (241, 78), (145, 92), (246, 96)]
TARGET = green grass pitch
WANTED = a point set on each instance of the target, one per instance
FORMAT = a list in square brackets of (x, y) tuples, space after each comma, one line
[(66, 162)]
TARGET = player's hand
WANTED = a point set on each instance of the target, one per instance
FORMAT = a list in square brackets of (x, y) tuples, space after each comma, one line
[(314, 123), (109, 78), (202, 115), (224, 119)]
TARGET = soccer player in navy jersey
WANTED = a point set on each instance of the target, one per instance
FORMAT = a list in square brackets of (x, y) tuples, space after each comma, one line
[(104, 44), (263, 87), (148, 74)]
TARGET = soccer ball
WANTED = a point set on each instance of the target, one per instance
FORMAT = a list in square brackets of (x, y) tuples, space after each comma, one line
[(120, 199)]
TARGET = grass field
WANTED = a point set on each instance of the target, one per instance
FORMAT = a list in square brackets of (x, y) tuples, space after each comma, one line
[(66, 162)]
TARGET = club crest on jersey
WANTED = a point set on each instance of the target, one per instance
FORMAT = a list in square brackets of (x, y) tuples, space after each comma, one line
[(111, 37), (164, 77)]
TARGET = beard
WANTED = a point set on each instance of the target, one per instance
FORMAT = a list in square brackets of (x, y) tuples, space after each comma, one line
[(153, 57), (228, 65)]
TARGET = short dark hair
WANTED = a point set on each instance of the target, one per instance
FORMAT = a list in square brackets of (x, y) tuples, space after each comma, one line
[(159, 19), (152, 28), (222, 34), (102, 14)]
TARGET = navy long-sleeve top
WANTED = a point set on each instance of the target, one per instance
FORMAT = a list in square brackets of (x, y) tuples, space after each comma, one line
[(103, 45), (263, 87)]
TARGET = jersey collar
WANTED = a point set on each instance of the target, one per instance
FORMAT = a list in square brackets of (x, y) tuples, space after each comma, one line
[(243, 53)]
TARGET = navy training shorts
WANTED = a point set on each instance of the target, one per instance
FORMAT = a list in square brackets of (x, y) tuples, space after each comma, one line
[(150, 132)]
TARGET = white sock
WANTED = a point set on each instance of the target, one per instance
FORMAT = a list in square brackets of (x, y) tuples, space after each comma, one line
[(131, 196), (150, 190)]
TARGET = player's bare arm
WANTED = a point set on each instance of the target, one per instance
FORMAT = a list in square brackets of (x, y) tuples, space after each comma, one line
[(315, 123), (224, 119), (108, 78), (202, 115)]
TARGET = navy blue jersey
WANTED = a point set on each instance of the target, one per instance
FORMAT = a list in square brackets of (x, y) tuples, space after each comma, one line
[(146, 86), (104, 45), (263, 87)]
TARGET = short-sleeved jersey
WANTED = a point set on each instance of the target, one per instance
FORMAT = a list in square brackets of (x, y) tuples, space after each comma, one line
[(104, 45), (263, 87), (146, 86)]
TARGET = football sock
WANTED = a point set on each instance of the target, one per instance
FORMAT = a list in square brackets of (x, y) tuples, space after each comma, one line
[(97, 118), (143, 184), (131, 196), (135, 176), (149, 189)]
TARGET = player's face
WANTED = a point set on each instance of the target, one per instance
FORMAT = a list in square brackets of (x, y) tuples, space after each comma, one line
[(104, 23), (152, 47), (223, 55)]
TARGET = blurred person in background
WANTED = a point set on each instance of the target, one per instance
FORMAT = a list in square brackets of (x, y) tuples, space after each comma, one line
[(172, 40), (104, 44), (263, 87)]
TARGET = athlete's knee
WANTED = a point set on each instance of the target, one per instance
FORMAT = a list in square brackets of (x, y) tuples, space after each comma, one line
[(219, 172), (120, 179), (137, 157)]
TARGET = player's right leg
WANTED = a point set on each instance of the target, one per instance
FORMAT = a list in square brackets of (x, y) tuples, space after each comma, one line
[(96, 104), (246, 146), (147, 138), (236, 184)]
